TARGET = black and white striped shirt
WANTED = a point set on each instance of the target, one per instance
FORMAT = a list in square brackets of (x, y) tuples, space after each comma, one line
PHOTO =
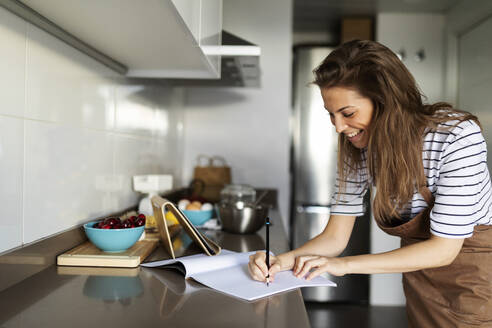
[(455, 164)]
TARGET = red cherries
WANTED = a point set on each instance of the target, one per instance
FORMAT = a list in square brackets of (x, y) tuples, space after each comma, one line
[(116, 223)]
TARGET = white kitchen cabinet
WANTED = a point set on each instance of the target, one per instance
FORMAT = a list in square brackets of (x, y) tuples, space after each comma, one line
[(204, 20), (154, 38), (190, 11)]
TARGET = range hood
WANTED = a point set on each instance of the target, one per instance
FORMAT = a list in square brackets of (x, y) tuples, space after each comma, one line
[(240, 64)]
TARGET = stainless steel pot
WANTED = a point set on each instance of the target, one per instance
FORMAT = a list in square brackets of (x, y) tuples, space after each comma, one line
[(248, 219)]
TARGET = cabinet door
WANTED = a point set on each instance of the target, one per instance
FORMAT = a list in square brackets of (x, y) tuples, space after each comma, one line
[(189, 10), (204, 19), (150, 39)]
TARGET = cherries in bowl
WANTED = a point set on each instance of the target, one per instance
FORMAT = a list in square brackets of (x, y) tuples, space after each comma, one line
[(114, 235)]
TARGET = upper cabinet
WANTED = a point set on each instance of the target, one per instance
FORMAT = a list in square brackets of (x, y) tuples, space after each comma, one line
[(204, 19), (152, 38)]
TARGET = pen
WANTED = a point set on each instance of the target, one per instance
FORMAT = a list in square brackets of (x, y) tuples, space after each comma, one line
[(267, 223)]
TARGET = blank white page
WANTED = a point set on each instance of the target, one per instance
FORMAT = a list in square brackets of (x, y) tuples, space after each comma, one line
[(236, 281)]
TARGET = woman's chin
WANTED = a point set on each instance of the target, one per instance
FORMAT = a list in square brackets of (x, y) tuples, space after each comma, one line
[(359, 141), (359, 146)]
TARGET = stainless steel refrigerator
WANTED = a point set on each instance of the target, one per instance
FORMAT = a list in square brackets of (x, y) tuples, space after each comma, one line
[(313, 170)]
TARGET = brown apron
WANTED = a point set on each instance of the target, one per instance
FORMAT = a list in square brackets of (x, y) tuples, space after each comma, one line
[(456, 295)]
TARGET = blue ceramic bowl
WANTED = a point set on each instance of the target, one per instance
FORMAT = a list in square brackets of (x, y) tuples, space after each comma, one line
[(113, 240), (198, 217)]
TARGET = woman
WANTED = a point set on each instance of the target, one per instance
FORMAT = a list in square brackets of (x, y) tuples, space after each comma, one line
[(428, 165)]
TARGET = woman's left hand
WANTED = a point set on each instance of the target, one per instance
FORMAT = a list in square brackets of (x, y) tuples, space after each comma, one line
[(335, 266)]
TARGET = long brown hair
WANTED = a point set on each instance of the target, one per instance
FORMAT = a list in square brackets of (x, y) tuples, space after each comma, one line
[(398, 125)]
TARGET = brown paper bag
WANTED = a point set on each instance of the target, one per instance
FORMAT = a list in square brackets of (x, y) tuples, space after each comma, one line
[(214, 173)]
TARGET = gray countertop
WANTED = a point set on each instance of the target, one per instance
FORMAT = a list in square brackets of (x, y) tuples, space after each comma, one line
[(143, 297)]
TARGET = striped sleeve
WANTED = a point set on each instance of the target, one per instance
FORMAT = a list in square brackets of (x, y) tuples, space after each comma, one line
[(463, 195), (350, 201)]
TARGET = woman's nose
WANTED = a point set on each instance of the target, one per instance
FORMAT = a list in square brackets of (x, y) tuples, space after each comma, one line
[(339, 124)]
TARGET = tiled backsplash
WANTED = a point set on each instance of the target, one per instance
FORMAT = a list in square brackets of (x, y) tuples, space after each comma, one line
[(72, 134)]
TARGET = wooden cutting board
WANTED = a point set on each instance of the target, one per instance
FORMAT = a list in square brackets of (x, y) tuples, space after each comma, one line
[(87, 254), (97, 271)]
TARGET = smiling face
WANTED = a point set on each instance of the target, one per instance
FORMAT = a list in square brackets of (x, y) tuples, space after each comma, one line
[(350, 113)]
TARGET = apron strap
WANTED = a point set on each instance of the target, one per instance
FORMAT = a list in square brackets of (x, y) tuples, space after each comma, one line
[(429, 198)]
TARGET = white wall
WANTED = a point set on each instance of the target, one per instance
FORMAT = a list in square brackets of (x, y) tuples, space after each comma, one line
[(474, 57), (460, 19), (413, 32), (71, 135), (249, 127), (410, 32)]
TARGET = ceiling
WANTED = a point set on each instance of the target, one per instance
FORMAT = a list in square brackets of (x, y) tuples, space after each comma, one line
[(322, 15)]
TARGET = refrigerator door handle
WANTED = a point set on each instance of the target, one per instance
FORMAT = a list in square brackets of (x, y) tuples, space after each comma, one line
[(313, 209)]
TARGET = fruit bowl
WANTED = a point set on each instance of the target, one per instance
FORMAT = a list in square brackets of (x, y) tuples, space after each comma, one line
[(112, 240), (198, 217)]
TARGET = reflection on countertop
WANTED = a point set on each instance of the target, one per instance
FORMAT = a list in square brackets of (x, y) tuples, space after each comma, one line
[(19, 264), (117, 297), (111, 288)]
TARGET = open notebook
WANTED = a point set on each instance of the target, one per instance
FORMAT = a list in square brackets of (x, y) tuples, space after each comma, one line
[(228, 273)]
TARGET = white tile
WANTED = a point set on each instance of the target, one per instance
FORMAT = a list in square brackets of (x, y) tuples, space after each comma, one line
[(66, 86), (149, 121), (68, 177), (11, 169), (135, 113), (134, 156), (140, 155), (13, 63), (169, 160), (169, 149), (144, 110)]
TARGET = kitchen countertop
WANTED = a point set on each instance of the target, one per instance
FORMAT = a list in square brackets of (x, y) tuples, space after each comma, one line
[(144, 297)]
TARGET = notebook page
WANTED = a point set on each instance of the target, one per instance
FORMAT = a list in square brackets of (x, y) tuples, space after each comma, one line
[(237, 282), (199, 262)]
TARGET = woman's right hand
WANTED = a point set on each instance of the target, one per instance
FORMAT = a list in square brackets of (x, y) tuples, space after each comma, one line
[(258, 269)]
